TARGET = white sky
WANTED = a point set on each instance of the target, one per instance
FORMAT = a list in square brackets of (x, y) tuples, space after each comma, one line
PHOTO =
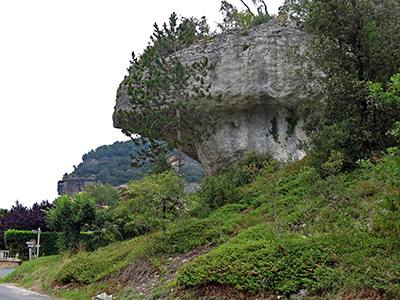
[(60, 66)]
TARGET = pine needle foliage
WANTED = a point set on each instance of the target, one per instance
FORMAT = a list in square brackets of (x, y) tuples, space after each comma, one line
[(159, 92)]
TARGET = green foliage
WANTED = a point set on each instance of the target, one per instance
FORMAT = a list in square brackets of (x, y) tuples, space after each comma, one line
[(117, 149), (235, 19), (253, 261), (159, 95), (291, 122), (150, 204), (332, 139), (232, 18), (167, 40), (84, 268), (391, 95), (219, 189), (16, 242), (111, 164), (191, 233), (385, 173), (329, 221), (274, 130), (332, 238), (69, 216), (342, 57), (103, 194), (295, 10), (32, 271), (182, 236), (104, 235)]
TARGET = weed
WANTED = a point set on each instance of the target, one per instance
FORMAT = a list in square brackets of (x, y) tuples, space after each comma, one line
[(274, 130), (291, 122)]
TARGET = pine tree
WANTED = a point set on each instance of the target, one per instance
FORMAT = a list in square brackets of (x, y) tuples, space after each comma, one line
[(160, 89)]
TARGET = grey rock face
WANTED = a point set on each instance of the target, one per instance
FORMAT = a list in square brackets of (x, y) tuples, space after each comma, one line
[(74, 185), (261, 95)]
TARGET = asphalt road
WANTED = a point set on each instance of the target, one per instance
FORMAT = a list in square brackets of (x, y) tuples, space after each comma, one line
[(9, 292)]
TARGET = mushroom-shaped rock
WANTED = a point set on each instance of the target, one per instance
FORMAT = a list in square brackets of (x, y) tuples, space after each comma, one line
[(260, 95)]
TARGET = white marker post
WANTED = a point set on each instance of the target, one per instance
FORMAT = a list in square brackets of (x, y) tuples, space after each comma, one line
[(31, 244), (38, 241)]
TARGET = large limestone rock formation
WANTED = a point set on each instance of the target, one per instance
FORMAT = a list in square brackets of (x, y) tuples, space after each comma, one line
[(74, 185), (261, 95)]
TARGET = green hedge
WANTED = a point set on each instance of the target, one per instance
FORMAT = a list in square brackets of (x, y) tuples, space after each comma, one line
[(16, 242)]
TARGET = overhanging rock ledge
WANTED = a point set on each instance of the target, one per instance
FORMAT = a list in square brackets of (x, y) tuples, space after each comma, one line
[(261, 95)]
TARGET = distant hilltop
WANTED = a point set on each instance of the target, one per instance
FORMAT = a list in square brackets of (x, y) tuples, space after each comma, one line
[(111, 164)]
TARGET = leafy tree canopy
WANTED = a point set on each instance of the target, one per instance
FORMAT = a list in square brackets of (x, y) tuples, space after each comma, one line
[(352, 42), (23, 218), (69, 216), (103, 194), (112, 164), (150, 204)]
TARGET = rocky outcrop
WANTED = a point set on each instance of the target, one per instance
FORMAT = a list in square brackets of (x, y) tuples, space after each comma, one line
[(261, 96), (73, 185)]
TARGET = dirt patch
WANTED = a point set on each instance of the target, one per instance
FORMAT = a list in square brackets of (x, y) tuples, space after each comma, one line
[(9, 264), (221, 292), (147, 278)]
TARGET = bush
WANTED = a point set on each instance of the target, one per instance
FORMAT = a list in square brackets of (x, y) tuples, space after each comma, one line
[(103, 194), (254, 261), (23, 218), (150, 204), (385, 173), (217, 190), (192, 233), (69, 216), (16, 242)]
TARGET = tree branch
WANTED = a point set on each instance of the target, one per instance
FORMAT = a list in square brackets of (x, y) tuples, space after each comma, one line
[(248, 8), (265, 7)]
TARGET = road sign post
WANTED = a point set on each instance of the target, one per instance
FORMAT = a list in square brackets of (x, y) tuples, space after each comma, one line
[(38, 241), (31, 245)]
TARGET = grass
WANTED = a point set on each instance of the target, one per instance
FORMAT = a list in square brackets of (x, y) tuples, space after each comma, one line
[(284, 229), (35, 274)]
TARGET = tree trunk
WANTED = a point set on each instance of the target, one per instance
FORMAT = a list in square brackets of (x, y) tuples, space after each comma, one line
[(178, 131), (179, 138)]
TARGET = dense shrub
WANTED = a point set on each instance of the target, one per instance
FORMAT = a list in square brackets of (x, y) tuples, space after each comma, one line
[(16, 242), (181, 237), (150, 204), (254, 261), (217, 191), (23, 218), (69, 216)]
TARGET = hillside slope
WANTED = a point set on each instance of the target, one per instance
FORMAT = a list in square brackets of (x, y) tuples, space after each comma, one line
[(287, 232)]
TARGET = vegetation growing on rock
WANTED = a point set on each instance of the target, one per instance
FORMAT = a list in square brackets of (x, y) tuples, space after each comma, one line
[(327, 224)]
